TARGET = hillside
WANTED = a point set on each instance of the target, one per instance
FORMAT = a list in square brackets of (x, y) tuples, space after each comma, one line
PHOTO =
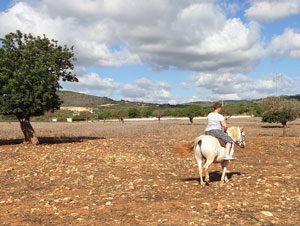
[(70, 98), (75, 99)]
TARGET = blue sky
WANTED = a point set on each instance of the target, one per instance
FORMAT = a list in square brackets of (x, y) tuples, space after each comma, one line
[(171, 51)]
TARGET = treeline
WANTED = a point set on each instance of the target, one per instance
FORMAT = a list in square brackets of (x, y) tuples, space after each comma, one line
[(158, 111)]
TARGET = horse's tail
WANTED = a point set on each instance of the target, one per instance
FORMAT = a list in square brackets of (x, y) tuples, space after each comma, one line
[(186, 148)]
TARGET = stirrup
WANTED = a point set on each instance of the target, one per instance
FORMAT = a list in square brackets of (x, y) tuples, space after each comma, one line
[(229, 157)]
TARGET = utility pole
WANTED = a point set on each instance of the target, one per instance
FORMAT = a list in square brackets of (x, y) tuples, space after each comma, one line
[(278, 80)]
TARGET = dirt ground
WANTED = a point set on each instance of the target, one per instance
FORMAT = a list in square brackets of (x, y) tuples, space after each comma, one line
[(114, 174)]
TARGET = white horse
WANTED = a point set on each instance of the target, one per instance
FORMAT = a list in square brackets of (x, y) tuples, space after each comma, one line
[(208, 148)]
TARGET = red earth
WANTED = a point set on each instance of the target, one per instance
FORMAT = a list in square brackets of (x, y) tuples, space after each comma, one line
[(114, 174)]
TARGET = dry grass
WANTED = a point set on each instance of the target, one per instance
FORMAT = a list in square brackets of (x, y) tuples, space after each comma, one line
[(131, 176)]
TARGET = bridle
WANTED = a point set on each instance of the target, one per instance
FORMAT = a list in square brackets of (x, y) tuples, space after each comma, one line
[(240, 142)]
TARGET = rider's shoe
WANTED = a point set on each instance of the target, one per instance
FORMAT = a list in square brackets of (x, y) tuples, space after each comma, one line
[(229, 157)]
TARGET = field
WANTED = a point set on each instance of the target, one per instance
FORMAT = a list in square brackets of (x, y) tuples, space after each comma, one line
[(115, 174)]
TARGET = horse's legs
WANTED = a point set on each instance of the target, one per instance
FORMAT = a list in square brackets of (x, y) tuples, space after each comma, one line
[(224, 170), (198, 157), (206, 165), (200, 172)]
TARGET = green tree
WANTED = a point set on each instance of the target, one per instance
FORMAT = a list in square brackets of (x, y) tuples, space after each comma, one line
[(30, 71), (158, 113), (104, 115), (147, 111), (120, 114), (192, 111), (280, 110), (134, 113), (83, 116)]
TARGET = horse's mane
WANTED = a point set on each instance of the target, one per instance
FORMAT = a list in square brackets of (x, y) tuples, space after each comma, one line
[(234, 132)]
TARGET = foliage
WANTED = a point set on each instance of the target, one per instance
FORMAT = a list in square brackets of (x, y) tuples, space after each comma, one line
[(134, 113), (61, 115), (192, 111), (158, 113), (147, 112), (104, 115), (120, 114), (7, 118), (280, 110), (242, 108), (83, 116), (30, 71)]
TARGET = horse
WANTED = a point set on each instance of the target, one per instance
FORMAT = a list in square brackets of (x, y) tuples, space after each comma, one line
[(209, 149)]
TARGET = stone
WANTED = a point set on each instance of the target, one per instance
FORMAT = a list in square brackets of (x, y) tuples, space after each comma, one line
[(267, 213), (108, 203)]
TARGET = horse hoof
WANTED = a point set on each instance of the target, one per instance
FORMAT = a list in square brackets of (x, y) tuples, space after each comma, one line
[(202, 183)]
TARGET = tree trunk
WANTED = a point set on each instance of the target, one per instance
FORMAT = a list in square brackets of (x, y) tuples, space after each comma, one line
[(191, 120), (158, 119), (284, 127), (28, 131)]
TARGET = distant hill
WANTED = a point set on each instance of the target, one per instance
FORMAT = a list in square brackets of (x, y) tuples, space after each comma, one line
[(295, 97), (70, 98), (75, 99)]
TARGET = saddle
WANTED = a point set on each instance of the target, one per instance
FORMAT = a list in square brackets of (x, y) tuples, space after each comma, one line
[(222, 142)]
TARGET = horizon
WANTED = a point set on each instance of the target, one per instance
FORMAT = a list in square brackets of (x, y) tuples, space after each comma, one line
[(171, 52), (226, 101)]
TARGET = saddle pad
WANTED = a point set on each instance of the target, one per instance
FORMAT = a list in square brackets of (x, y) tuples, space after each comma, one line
[(222, 142)]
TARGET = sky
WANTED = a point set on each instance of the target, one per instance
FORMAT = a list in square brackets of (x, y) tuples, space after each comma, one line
[(170, 51)]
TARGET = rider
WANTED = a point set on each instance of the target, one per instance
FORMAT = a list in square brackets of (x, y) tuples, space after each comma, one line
[(216, 126)]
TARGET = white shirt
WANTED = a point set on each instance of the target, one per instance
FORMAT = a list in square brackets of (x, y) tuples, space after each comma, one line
[(214, 120)]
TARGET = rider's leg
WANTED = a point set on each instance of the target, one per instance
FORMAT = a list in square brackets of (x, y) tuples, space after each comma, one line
[(228, 149)]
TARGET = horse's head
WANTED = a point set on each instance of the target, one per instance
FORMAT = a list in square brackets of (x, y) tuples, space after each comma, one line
[(238, 135), (241, 140)]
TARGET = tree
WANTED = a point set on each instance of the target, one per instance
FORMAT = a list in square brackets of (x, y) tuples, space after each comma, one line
[(121, 114), (147, 111), (134, 113), (30, 71), (158, 114), (104, 115), (193, 111), (83, 116), (280, 110)]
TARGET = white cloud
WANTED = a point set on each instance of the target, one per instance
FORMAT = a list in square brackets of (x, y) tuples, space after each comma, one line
[(141, 90), (270, 10), (239, 86), (92, 40), (93, 83), (287, 44), (190, 34), (145, 90)]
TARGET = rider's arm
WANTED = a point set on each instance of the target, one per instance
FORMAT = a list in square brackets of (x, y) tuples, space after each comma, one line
[(224, 125)]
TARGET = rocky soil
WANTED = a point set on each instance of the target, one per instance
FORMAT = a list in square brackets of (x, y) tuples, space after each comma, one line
[(129, 175)]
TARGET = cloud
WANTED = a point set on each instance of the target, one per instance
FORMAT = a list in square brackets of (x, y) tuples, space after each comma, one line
[(92, 40), (286, 44), (145, 90), (271, 10), (190, 34), (141, 90), (238, 86)]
